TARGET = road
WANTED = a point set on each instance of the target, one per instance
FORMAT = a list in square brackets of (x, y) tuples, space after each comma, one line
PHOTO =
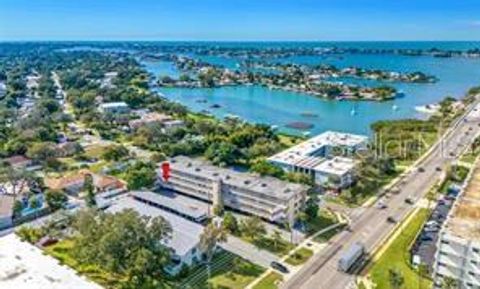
[(371, 227)]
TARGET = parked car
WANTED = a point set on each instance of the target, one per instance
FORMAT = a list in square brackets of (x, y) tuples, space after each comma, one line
[(426, 238), (279, 267), (409, 200)]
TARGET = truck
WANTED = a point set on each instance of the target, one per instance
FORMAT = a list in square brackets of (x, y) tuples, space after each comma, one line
[(351, 256)]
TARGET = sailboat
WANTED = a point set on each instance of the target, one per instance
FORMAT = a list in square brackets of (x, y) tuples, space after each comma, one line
[(354, 110)]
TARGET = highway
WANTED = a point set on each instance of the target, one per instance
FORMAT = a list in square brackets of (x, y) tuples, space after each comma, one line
[(371, 227)]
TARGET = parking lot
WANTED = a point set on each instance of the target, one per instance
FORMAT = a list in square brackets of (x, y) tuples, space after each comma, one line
[(423, 251)]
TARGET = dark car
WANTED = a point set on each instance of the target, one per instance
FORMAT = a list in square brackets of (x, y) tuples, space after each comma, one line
[(279, 267), (391, 220), (426, 238), (421, 170), (409, 201), (438, 169)]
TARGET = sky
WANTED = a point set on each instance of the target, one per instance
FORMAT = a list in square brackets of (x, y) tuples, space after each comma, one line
[(234, 20)]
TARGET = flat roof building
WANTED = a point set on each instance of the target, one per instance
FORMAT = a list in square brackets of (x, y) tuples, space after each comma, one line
[(185, 234), (114, 107), (458, 248), (314, 157), (266, 197), (24, 266)]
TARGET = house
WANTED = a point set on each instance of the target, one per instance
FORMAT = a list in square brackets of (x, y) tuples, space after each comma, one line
[(173, 124), (3, 89), (74, 183), (149, 118), (114, 107), (18, 161), (67, 149), (6, 210), (185, 233)]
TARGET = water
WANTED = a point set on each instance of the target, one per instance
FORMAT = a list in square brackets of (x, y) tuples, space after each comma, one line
[(276, 107)]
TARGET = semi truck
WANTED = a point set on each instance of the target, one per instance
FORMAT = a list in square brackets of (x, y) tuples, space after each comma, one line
[(351, 256)]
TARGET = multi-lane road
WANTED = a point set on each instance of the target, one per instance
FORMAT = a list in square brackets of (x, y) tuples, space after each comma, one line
[(371, 226)]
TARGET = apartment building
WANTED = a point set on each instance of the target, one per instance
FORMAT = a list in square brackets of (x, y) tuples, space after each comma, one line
[(269, 198), (316, 157), (458, 248)]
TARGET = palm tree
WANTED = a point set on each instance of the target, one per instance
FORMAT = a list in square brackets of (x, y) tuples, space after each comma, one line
[(276, 237), (211, 236), (395, 278)]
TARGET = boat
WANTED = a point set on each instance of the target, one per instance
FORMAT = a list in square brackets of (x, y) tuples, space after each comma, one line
[(274, 127), (306, 134), (354, 110), (394, 107)]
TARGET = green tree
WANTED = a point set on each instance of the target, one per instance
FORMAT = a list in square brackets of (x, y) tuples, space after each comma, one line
[(17, 208), (105, 240), (41, 151), (265, 168), (450, 283), (311, 209), (89, 189), (55, 199), (276, 238), (115, 153), (34, 203), (140, 175), (395, 278), (253, 228), (230, 223)]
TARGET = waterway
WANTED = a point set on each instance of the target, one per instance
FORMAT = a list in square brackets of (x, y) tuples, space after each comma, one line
[(275, 107)]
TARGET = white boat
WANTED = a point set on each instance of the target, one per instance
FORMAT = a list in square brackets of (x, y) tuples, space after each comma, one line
[(306, 134), (353, 112), (394, 107)]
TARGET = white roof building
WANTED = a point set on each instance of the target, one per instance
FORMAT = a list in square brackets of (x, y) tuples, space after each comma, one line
[(311, 156), (185, 234), (24, 266)]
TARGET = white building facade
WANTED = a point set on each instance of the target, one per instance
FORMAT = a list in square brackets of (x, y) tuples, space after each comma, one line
[(316, 158), (269, 198), (458, 247)]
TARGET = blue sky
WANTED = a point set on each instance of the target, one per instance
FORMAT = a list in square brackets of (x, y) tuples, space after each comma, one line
[(240, 19)]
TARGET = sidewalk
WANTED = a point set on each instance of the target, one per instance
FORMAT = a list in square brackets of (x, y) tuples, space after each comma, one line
[(308, 243)]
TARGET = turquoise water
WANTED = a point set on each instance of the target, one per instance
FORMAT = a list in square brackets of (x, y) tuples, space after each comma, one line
[(261, 105)]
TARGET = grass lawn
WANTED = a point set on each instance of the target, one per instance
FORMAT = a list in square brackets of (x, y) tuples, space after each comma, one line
[(239, 277), (397, 256), (278, 247), (288, 140), (324, 219), (299, 257), (95, 151), (62, 251), (228, 271), (269, 282), (325, 237)]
